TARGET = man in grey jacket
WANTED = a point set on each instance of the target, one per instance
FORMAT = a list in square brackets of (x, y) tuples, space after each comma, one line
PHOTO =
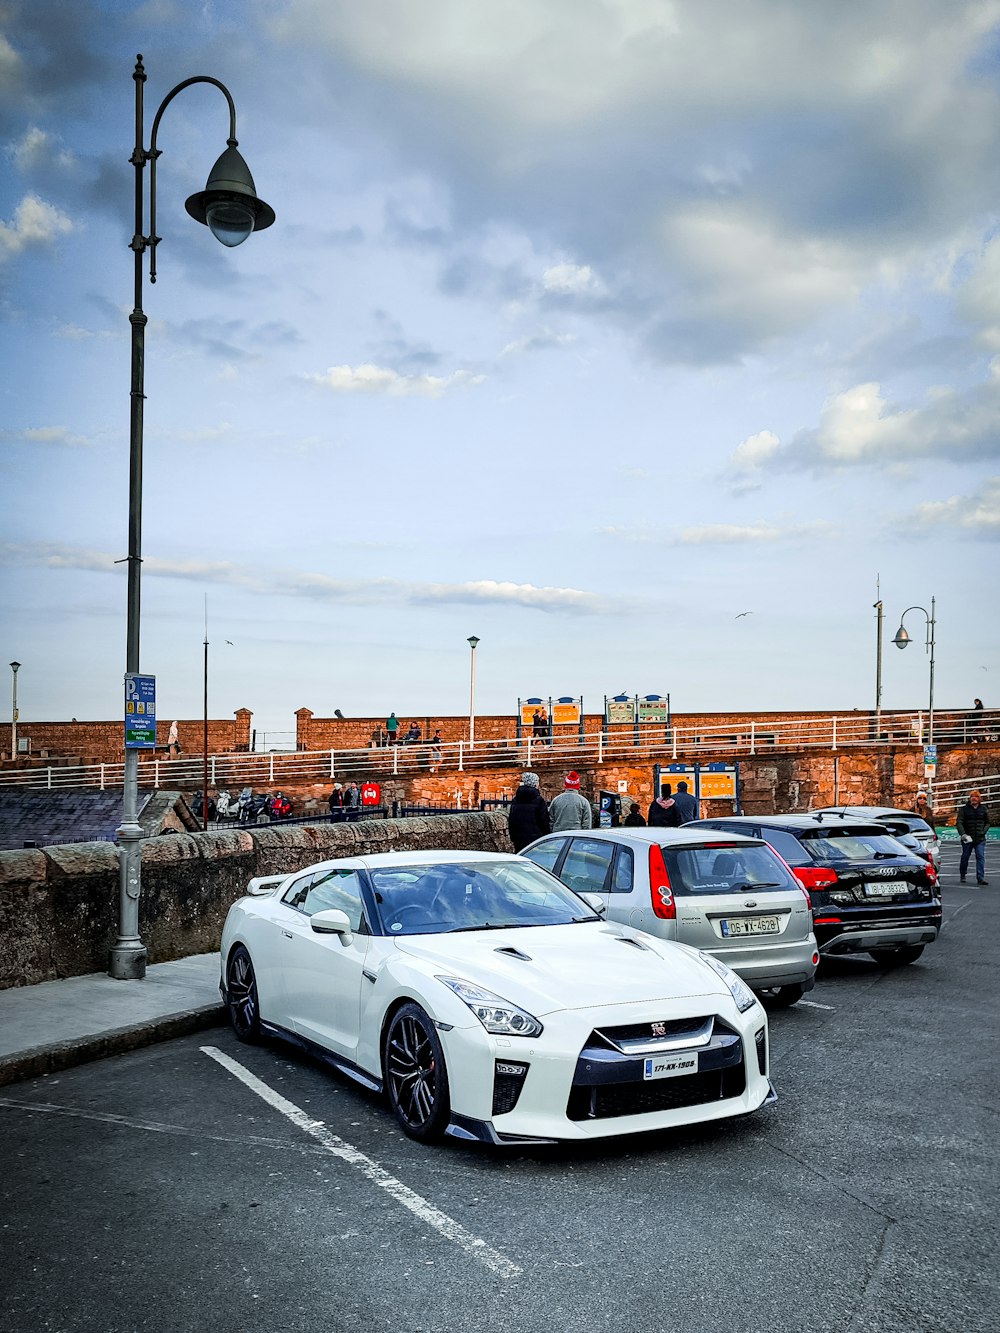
[(570, 810)]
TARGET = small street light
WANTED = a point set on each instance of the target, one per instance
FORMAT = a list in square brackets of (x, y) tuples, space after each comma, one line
[(901, 639), (13, 715), (473, 642), (230, 207)]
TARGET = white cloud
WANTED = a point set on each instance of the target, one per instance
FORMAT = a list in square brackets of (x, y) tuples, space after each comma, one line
[(381, 380), (320, 587), (540, 341), (973, 515), (44, 435), (756, 449), (36, 149), (35, 223), (733, 534), (570, 280)]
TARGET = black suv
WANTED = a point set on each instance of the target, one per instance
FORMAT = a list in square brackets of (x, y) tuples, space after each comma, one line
[(870, 894)]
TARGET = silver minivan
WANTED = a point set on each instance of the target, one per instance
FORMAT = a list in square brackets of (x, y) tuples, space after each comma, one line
[(730, 895)]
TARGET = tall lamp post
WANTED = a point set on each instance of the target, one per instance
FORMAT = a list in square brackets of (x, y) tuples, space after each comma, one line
[(901, 639), (13, 715), (230, 208), (473, 643)]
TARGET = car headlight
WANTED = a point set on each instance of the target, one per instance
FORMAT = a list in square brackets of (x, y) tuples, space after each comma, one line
[(739, 990), (496, 1014)]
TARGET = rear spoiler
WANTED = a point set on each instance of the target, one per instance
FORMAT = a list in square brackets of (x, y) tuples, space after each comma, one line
[(262, 885)]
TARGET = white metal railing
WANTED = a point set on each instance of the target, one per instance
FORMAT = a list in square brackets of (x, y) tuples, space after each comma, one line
[(613, 744)]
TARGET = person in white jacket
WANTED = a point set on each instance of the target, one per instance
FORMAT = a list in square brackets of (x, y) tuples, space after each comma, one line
[(570, 810)]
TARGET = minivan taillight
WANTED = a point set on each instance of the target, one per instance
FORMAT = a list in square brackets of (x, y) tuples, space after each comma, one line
[(659, 886)]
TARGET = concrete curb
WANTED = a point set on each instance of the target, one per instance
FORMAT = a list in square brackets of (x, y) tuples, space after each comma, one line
[(51, 1058)]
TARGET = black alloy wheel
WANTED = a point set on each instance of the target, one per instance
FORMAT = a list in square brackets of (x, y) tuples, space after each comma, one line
[(783, 997), (906, 953), (241, 990), (416, 1077)]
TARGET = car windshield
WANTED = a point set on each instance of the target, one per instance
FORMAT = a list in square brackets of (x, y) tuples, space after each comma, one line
[(854, 845), (726, 868), (480, 895)]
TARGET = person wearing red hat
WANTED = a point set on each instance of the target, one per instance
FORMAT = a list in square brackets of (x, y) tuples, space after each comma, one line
[(570, 810)]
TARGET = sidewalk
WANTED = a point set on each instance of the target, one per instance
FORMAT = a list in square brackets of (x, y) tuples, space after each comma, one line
[(57, 1024)]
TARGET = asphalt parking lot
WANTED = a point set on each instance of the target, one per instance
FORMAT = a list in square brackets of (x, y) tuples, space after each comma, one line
[(204, 1184)]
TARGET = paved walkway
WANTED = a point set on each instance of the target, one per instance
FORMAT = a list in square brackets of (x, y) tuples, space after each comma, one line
[(57, 1024)]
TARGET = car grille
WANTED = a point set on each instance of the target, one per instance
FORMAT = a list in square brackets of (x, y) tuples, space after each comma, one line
[(668, 1094), (635, 1035), (508, 1080)]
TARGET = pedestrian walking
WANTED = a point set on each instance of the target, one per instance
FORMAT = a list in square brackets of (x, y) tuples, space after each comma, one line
[(972, 822), (528, 815), (540, 725), (173, 744), (336, 803), (661, 812), (921, 808), (634, 817), (978, 723), (391, 727), (570, 810), (352, 801), (685, 805)]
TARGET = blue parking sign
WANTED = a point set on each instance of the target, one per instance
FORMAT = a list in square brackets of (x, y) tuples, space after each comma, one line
[(140, 712)]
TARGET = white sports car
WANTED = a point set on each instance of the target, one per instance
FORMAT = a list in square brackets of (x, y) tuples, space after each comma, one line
[(489, 1001)]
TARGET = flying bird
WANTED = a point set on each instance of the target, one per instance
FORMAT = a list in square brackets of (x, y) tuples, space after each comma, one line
[(742, 614), (231, 644)]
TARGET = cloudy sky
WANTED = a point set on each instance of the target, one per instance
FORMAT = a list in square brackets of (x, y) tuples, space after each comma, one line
[(585, 326)]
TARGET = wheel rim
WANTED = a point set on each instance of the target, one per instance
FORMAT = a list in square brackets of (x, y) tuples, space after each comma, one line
[(412, 1069), (242, 993)]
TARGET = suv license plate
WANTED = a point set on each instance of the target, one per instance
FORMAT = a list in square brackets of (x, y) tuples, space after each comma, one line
[(752, 925), (670, 1066), (887, 889)]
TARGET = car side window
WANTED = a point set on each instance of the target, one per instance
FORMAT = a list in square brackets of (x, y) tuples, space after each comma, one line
[(329, 889), (787, 846), (585, 869), (624, 877), (546, 854)]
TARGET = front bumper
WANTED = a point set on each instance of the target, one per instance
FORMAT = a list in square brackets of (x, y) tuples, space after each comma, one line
[(576, 1088)]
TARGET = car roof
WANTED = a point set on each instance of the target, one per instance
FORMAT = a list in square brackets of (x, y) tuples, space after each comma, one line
[(872, 810), (687, 836), (382, 860), (814, 820)]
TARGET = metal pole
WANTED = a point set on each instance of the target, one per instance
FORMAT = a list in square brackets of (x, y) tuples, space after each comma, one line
[(930, 703), (13, 715), (473, 644), (204, 757), (128, 956), (878, 672)]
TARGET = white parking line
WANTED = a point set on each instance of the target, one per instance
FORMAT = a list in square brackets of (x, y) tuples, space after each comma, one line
[(811, 1004), (441, 1222)]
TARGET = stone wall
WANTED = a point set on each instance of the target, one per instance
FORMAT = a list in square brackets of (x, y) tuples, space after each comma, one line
[(58, 906)]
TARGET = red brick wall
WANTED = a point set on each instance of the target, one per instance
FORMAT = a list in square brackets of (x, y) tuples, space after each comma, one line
[(104, 742)]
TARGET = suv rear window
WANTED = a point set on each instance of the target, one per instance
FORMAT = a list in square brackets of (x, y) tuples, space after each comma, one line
[(726, 868), (853, 845)]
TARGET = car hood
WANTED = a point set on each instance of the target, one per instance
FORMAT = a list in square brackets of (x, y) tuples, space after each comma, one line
[(580, 966)]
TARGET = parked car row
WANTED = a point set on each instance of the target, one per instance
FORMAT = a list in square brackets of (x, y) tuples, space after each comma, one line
[(605, 982)]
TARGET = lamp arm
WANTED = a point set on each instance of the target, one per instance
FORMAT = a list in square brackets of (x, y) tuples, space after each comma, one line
[(142, 155)]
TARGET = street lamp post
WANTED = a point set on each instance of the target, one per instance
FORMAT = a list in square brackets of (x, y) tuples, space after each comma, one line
[(473, 642), (13, 715), (901, 639), (230, 208)]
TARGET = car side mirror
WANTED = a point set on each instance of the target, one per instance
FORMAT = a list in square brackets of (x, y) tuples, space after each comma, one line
[(595, 901), (333, 922)]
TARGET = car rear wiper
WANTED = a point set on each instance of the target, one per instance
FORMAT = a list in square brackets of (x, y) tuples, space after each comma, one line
[(760, 884), (887, 856)]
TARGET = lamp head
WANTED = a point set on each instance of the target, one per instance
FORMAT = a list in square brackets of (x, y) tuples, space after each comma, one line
[(473, 641), (902, 638), (14, 666), (228, 205)]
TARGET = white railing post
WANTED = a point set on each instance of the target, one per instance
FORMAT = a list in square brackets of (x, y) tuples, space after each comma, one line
[(270, 780), (600, 746), (102, 777), (529, 750), (333, 771), (156, 774), (834, 722), (920, 728), (395, 760), (49, 783), (674, 739), (211, 767), (460, 765), (753, 737)]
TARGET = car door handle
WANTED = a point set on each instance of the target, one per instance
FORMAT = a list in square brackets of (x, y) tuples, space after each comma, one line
[(288, 935)]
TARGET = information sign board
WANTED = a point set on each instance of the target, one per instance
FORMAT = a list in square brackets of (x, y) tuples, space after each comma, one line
[(653, 710), (140, 712)]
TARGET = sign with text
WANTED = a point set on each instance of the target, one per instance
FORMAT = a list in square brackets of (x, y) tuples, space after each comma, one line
[(140, 712), (619, 710), (718, 782), (528, 708), (566, 713), (653, 710)]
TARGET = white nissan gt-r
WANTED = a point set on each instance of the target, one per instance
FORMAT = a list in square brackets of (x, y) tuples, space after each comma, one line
[(489, 1001)]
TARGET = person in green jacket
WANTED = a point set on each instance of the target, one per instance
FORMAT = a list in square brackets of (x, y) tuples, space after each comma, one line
[(972, 822)]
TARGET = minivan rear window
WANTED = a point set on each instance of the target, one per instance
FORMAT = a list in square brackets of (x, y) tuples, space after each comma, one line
[(726, 869)]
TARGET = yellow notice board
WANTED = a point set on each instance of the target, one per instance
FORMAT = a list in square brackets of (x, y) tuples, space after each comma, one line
[(528, 714), (718, 786), (565, 715)]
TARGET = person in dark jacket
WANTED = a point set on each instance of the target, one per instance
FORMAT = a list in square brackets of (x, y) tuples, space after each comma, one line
[(972, 822), (528, 815), (685, 806), (634, 817), (661, 812)]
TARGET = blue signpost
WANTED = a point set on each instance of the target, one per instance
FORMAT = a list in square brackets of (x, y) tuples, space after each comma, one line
[(140, 712)]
